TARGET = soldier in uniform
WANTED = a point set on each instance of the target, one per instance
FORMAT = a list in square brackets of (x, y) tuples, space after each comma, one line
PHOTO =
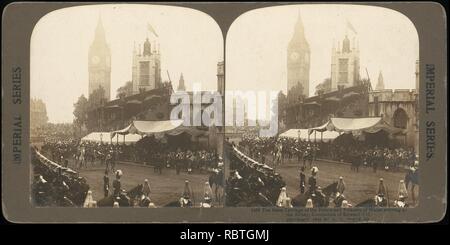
[(106, 183), (341, 185), (309, 203), (302, 180), (310, 155), (312, 181), (185, 200), (116, 184), (82, 157), (282, 197), (376, 160), (402, 189), (207, 196), (146, 188), (380, 199), (89, 201), (178, 159), (115, 204)]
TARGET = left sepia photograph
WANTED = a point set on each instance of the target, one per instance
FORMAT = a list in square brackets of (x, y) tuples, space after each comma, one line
[(122, 99)]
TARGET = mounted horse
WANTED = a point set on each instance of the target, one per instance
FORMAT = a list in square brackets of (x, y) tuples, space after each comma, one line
[(319, 200), (377, 201), (125, 199)]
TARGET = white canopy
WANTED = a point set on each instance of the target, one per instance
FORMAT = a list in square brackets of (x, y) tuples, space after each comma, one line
[(156, 128), (304, 135), (357, 125), (105, 137)]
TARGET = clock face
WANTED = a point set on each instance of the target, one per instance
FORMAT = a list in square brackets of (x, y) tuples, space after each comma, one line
[(294, 56), (95, 60)]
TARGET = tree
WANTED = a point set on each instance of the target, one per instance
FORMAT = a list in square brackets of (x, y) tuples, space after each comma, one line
[(125, 90), (295, 94), (81, 108), (282, 104), (97, 98), (324, 87)]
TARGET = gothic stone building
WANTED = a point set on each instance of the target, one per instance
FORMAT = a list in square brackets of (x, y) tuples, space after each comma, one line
[(399, 108)]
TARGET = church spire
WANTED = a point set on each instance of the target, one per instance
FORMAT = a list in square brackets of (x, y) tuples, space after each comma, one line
[(380, 84), (181, 86)]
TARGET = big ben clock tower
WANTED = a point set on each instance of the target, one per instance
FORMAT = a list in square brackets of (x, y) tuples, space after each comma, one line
[(298, 55), (100, 63)]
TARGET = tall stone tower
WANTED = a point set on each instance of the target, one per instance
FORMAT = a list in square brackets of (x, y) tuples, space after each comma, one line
[(100, 62), (146, 68), (298, 56), (344, 65)]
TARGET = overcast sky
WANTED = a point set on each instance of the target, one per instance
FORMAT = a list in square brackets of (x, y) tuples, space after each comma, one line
[(257, 43), (190, 42)]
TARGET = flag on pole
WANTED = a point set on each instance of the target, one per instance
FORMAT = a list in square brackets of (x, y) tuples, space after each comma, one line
[(350, 26), (151, 29)]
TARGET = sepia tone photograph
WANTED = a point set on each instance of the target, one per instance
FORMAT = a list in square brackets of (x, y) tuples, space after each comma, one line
[(126, 108), (114, 108), (223, 113), (322, 108)]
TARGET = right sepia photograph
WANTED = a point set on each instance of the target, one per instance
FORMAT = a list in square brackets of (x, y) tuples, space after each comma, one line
[(322, 108)]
